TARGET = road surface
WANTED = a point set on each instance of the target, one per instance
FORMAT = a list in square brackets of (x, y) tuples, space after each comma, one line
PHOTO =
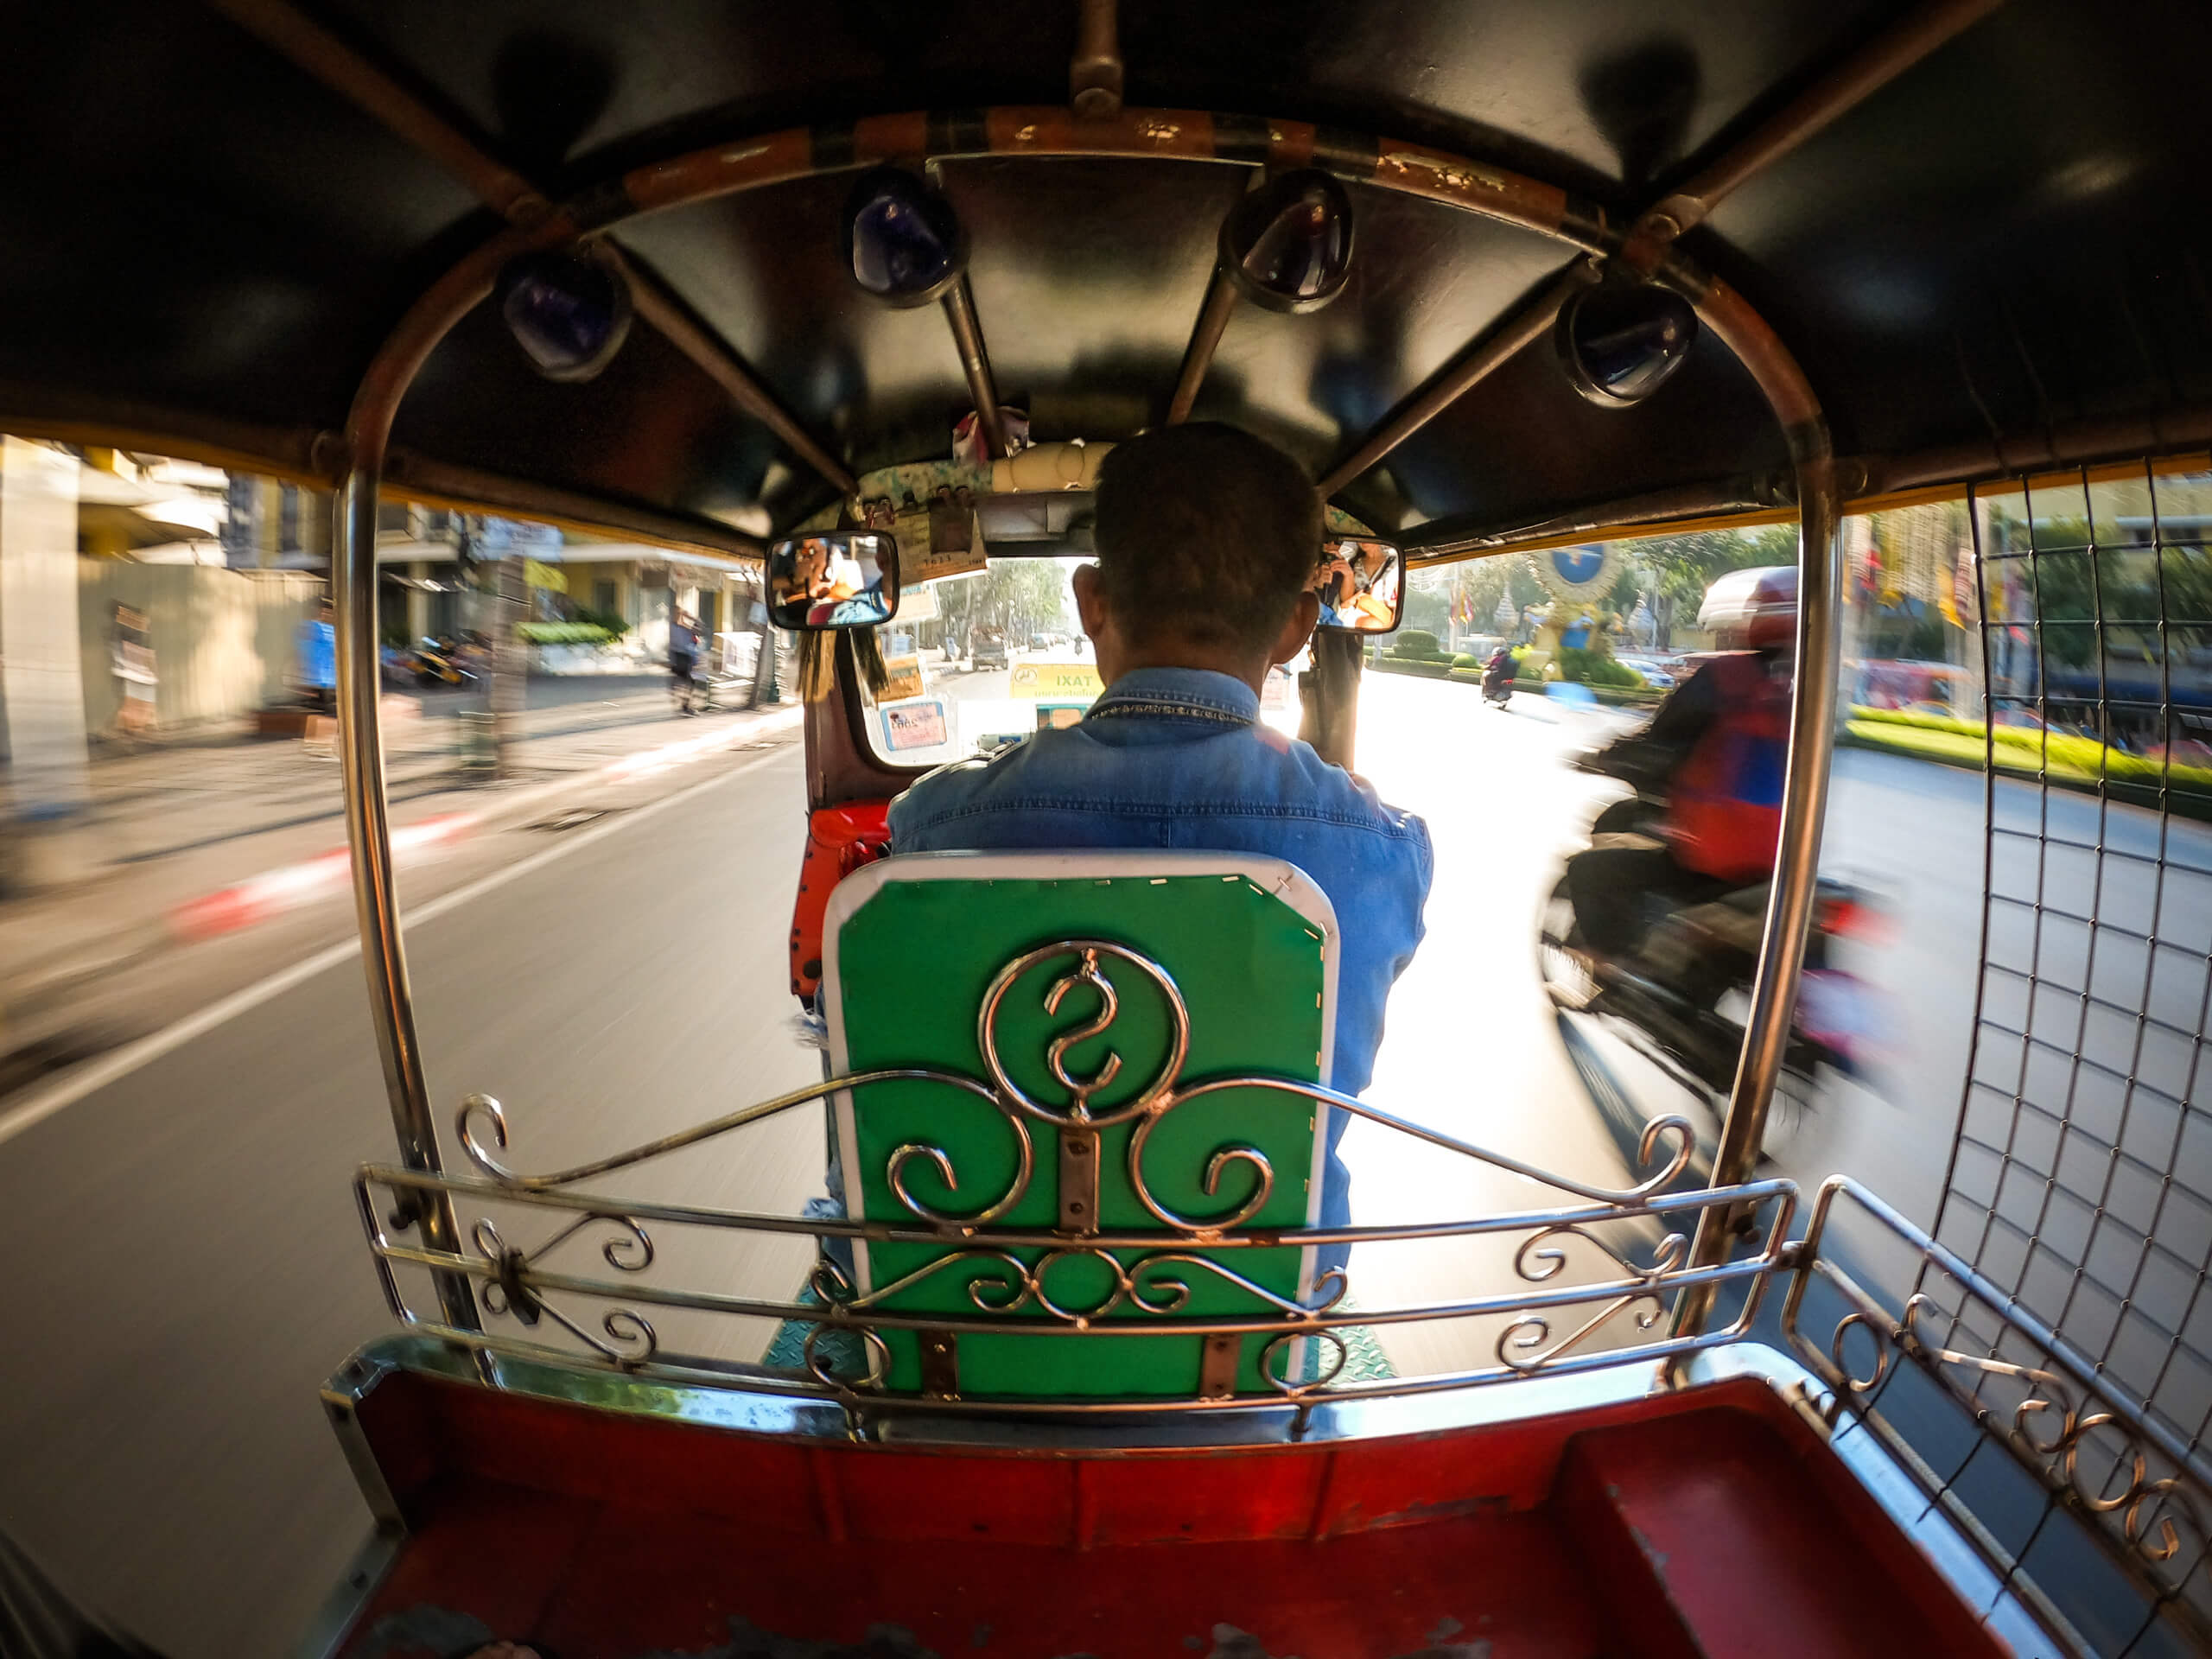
[(186, 1266)]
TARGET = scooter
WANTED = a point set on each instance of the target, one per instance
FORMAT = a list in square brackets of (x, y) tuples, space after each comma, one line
[(1681, 996), (1497, 683), (438, 662)]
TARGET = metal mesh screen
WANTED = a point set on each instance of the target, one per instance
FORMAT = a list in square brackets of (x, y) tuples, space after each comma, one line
[(2081, 1184)]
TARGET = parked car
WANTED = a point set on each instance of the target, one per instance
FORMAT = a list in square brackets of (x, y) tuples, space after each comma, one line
[(1658, 672)]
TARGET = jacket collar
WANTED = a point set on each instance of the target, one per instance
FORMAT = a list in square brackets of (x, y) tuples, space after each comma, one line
[(1178, 694)]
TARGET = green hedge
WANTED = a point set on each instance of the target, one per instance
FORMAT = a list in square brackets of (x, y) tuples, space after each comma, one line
[(565, 633), (1421, 667), (1416, 643), (2019, 751), (2027, 747), (1595, 669)]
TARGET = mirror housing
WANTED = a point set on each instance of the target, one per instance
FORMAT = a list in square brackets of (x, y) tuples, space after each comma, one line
[(1361, 580), (1287, 245), (1622, 340), (833, 579), (568, 309), (900, 239)]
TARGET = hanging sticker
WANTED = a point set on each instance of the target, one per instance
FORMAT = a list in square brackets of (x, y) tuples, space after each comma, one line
[(914, 725)]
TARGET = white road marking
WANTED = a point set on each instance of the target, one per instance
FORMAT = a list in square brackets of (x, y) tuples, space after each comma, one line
[(95, 1075)]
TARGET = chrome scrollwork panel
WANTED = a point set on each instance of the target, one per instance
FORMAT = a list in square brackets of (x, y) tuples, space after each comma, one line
[(1073, 1278), (1663, 1153), (2096, 1453), (514, 1291)]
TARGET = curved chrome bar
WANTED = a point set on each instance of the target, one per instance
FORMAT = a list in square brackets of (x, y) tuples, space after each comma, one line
[(483, 1105), (1410, 170), (1672, 1126)]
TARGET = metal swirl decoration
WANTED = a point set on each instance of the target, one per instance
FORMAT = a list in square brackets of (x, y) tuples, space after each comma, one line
[(1087, 972), (831, 1285), (1056, 1052), (1007, 1284), (875, 1361), (1538, 1259), (1123, 1287), (1537, 1264), (630, 1251), (1336, 1354), (894, 1174), (2047, 1400), (1533, 1331), (510, 1292), (1004, 1272), (1845, 1374), (1204, 1226)]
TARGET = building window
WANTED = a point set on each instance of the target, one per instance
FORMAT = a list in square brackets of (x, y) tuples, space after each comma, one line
[(242, 522), (603, 596), (288, 517)]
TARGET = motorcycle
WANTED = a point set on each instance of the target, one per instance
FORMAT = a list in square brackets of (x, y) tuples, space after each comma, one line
[(439, 662), (1681, 997), (1497, 683)]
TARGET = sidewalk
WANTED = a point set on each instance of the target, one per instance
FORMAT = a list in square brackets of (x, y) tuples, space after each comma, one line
[(206, 786), (206, 836)]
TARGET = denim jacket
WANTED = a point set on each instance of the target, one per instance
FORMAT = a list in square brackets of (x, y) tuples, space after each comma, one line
[(1176, 758)]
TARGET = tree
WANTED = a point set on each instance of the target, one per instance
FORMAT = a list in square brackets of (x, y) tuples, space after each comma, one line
[(1477, 585), (1677, 570), (1018, 595)]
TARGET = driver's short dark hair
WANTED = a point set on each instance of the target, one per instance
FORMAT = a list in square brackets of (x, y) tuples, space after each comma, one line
[(1204, 534)]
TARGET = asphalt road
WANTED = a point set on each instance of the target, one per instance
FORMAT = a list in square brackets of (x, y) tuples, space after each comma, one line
[(186, 1266)]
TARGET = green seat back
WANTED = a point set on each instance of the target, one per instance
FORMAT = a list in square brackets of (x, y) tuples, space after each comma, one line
[(913, 946)]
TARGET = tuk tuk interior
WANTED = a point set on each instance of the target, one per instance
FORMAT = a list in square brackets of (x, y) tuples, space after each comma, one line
[(1504, 281)]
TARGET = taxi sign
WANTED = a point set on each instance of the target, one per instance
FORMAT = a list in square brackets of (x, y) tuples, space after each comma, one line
[(1056, 680)]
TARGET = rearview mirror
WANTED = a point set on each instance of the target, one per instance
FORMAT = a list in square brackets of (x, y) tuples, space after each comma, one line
[(1358, 578), (836, 578)]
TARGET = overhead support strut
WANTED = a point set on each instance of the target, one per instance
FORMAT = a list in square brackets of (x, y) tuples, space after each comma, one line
[(280, 25), (959, 303), (1095, 72), (1464, 373), (674, 321), (1213, 317), (1841, 88), (1848, 83)]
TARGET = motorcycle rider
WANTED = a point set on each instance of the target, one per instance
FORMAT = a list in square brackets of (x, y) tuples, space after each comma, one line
[(1498, 673), (1716, 750)]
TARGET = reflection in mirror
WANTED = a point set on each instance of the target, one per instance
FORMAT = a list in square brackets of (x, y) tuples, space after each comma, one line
[(837, 579), (1358, 578)]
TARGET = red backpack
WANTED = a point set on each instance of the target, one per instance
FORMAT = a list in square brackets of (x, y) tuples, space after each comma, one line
[(1724, 813)]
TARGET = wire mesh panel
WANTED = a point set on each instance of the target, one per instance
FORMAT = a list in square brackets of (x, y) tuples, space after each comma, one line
[(2081, 1183)]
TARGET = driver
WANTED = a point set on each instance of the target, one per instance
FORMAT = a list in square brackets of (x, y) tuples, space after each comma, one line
[(829, 582), (1206, 539)]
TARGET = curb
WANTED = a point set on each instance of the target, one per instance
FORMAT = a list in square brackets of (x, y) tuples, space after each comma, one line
[(271, 892), (36, 1009)]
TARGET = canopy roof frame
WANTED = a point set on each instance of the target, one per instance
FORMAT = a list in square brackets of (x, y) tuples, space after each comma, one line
[(1047, 132)]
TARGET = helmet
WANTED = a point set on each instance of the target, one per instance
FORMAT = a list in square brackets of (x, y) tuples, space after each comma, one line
[(1753, 608)]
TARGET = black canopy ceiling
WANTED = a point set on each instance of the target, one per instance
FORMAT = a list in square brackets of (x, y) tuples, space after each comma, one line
[(198, 237)]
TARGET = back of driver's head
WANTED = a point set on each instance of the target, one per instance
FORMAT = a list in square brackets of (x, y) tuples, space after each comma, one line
[(1204, 533)]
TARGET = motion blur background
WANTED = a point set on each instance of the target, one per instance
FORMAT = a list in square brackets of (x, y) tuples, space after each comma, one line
[(601, 890)]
